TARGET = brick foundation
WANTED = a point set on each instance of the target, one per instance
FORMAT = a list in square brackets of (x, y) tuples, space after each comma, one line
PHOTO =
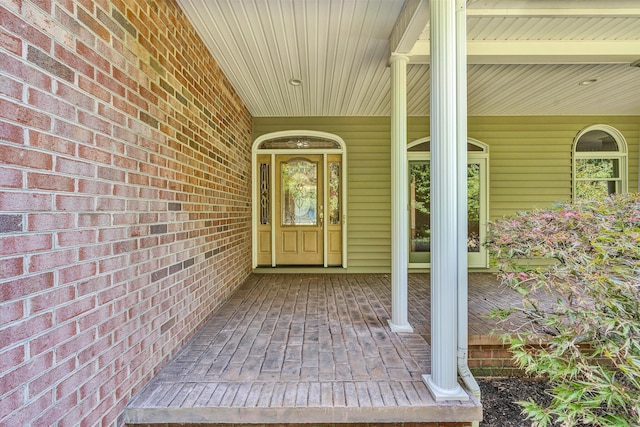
[(125, 201), (488, 357)]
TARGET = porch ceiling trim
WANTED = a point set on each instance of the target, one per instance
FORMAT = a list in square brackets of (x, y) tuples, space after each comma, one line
[(540, 51)]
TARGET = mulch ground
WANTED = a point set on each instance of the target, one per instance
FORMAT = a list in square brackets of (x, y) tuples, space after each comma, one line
[(499, 395)]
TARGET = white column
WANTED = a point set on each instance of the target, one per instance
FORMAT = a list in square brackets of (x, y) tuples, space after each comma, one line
[(463, 216), (399, 199), (443, 382), (461, 152)]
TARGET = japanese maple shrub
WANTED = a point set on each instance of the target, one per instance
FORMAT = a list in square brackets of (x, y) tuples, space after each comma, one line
[(584, 307)]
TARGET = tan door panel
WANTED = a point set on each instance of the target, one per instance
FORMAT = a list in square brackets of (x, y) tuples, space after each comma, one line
[(299, 210)]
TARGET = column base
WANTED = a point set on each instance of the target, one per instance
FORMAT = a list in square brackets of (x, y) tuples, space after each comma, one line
[(399, 328), (440, 394)]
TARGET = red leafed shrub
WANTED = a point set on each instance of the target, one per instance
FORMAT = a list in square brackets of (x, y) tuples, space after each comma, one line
[(591, 354)]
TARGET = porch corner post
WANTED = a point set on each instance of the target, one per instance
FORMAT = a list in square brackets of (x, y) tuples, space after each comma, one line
[(399, 201), (443, 380)]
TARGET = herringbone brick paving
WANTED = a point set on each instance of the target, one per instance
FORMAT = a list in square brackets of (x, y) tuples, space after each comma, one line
[(312, 348)]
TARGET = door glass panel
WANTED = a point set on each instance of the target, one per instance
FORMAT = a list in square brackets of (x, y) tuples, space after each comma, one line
[(334, 193), (299, 192), (265, 194)]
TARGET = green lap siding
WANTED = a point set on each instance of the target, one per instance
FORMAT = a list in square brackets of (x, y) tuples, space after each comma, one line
[(530, 157), (529, 166)]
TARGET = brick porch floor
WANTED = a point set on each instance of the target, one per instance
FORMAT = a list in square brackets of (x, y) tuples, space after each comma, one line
[(296, 348)]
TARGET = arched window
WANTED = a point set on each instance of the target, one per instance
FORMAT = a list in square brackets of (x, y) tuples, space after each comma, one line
[(599, 163)]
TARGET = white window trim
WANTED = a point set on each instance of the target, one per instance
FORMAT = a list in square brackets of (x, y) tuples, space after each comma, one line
[(621, 155), (481, 261)]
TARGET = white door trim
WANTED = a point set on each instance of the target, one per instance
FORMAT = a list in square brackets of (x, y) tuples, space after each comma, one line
[(256, 150)]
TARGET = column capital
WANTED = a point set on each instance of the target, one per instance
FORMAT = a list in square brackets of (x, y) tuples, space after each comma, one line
[(398, 57)]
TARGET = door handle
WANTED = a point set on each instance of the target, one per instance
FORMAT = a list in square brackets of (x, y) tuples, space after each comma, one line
[(321, 216)]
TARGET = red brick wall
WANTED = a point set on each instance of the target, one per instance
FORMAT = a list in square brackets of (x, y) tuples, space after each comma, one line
[(124, 201), (489, 357)]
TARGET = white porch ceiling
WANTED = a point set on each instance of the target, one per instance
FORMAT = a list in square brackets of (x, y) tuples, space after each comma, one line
[(526, 57)]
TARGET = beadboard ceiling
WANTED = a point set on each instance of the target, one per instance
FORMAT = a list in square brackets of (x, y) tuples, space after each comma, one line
[(526, 57)]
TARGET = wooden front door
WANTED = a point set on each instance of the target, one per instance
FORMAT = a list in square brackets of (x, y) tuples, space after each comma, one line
[(299, 218)]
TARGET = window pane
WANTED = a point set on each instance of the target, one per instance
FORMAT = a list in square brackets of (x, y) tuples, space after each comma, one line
[(420, 207), (420, 183), (597, 168), (473, 206), (594, 190), (299, 192), (334, 193), (596, 140)]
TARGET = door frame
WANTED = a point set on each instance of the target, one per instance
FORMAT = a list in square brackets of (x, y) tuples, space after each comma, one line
[(258, 149), (475, 260)]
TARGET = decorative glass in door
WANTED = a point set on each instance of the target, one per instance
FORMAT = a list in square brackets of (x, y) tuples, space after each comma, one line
[(334, 193), (299, 192), (300, 225)]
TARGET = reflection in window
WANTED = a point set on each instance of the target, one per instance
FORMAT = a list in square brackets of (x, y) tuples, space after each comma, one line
[(420, 183), (596, 168), (473, 207), (334, 193), (420, 188), (299, 192), (596, 140), (599, 162)]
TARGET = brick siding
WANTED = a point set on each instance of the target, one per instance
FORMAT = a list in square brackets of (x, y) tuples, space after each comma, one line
[(489, 357), (125, 216)]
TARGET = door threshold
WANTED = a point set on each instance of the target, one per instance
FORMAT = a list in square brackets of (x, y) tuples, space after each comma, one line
[(297, 269)]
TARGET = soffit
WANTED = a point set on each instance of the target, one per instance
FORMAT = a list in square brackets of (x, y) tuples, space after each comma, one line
[(337, 48), (527, 57)]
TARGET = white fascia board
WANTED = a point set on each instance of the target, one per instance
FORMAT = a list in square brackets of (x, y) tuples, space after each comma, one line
[(587, 8), (540, 52)]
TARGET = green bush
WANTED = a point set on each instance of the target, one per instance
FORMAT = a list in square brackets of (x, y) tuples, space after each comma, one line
[(584, 307)]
